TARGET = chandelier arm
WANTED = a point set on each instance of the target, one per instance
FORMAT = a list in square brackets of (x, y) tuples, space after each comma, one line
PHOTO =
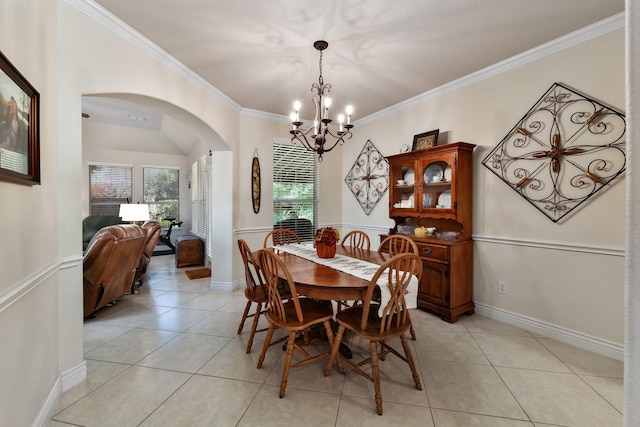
[(303, 140)]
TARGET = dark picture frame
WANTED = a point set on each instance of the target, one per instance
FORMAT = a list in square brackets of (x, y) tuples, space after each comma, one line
[(19, 127), (425, 140)]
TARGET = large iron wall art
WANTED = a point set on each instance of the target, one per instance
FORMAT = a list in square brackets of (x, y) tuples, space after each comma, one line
[(368, 178), (562, 152)]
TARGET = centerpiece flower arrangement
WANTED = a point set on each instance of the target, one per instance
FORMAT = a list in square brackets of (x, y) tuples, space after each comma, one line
[(324, 240)]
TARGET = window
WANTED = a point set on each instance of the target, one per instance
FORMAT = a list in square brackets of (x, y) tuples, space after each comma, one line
[(161, 191), (295, 189), (207, 211), (199, 198), (109, 186)]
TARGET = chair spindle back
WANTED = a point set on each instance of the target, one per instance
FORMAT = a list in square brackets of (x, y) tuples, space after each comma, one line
[(272, 269), (396, 273), (356, 239), (281, 236)]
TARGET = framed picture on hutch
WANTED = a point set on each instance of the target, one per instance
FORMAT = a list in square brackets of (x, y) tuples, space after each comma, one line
[(425, 140), (19, 127)]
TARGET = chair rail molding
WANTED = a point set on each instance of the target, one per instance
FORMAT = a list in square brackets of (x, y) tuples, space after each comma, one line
[(597, 250), (30, 282)]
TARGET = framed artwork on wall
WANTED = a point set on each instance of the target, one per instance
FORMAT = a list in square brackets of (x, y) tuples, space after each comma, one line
[(19, 127), (566, 149), (256, 186), (368, 178), (425, 140)]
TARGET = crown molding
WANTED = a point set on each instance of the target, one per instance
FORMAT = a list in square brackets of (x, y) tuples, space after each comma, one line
[(117, 26), (124, 31), (582, 35), (265, 115)]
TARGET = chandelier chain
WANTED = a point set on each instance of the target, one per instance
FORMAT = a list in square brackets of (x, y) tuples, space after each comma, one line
[(320, 80)]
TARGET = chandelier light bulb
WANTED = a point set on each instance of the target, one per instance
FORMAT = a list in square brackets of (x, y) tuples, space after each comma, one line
[(341, 121), (296, 108), (327, 104), (349, 111)]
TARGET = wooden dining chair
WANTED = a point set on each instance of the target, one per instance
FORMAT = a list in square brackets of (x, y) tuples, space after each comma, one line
[(363, 320), (356, 239), (295, 315), (255, 291), (281, 236), (398, 244)]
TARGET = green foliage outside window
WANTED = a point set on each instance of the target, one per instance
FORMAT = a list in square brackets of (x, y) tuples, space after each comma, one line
[(292, 200), (162, 193)]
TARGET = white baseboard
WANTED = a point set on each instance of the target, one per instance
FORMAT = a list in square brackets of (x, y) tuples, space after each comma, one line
[(224, 286), (46, 412), (567, 336), (66, 381), (74, 376)]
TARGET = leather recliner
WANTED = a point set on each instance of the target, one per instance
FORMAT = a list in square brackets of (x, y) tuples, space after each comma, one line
[(93, 223), (152, 231), (110, 264)]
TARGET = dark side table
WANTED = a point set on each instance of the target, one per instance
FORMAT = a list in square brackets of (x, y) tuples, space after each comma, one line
[(189, 251)]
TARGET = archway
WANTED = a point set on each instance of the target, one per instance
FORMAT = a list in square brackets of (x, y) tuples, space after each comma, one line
[(130, 128)]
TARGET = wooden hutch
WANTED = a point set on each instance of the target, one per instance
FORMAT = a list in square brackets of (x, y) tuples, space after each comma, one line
[(433, 188)]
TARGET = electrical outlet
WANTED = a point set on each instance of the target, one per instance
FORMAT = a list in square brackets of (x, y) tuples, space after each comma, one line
[(502, 287)]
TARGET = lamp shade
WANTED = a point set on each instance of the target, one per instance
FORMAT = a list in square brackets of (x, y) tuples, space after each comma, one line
[(134, 212)]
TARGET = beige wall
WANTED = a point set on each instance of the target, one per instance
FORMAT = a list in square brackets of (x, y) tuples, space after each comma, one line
[(30, 253), (69, 55), (558, 274), (567, 277)]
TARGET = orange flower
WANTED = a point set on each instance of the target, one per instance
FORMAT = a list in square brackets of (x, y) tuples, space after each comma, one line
[(326, 235)]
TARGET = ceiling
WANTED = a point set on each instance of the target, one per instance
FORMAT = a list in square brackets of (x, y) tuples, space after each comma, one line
[(260, 53)]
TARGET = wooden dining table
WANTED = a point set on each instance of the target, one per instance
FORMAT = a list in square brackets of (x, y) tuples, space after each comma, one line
[(322, 282), (319, 281)]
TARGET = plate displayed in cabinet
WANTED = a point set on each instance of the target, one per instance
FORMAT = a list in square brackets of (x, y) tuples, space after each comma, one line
[(427, 200), (433, 173), (409, 177), (445, 199), (447, 174)]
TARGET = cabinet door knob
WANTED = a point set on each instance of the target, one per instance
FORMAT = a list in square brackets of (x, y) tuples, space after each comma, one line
[(427, 251)]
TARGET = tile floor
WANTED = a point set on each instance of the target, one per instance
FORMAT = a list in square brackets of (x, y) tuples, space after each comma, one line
[(170, 356)]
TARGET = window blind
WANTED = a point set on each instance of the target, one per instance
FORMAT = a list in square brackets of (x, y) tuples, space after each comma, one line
[(109, 187), (199, 215), (295, 188), (207, 212)]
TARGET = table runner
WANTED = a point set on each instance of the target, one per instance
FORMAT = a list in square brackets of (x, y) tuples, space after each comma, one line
[(355, 267)]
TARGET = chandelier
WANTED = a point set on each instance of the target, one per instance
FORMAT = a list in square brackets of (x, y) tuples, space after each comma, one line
[(316, 138)]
